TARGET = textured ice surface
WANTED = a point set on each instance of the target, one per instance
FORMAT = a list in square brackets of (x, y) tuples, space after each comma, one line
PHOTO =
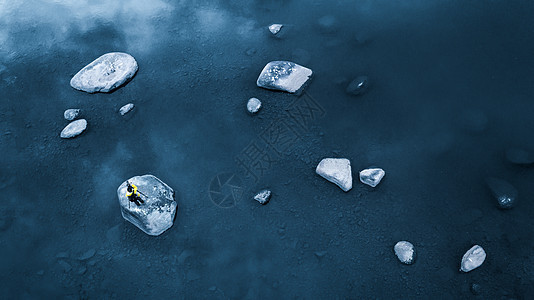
[(126, 109), (74, 129), (473, 259), (405, 251), (71, 114), (275, 28), (372, 177), (157, 213), (336, 170), (253, 105), (284, 76), (105, 73), (263, 196), (504, 192)]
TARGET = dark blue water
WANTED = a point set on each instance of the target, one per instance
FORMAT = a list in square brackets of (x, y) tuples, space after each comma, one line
[(451, 88)]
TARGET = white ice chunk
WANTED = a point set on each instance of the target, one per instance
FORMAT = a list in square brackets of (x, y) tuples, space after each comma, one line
[(253, 105), (284, 76), (126, 109), (372, 176), (275, 28), (473, 258), (156, 214), (74, 129), (405, 251), (336, 170), (71, 114), (105, 73)]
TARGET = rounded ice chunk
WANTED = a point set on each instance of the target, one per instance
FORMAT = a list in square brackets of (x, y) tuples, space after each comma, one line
[(473, 258), (336, 170), (105, 73), (71, 114), (74, 128), (284, 76), (253, 105), (156, 213), (405, 251), (372, 177)]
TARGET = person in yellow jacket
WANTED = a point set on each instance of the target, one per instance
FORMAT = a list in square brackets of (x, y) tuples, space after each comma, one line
[(132, 194)]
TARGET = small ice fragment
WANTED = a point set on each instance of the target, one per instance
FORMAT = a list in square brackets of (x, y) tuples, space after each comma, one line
[(263, 196), (253, 105), (71, 114), (372, 177), (126, 109), (336, 170), (473, 259), (405, 251), (275, 28), (74, 128), (284, 76)]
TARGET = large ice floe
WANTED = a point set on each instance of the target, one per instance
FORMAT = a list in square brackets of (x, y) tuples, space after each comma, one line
[(156, 214), (105, 73)]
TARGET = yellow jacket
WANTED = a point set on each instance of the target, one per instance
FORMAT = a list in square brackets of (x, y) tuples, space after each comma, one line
[(133, 192)]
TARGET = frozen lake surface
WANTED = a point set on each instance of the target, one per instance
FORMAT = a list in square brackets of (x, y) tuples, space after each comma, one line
[(448, 94)]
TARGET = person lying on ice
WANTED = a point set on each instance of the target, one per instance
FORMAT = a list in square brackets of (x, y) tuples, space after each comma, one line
[(133, 195)]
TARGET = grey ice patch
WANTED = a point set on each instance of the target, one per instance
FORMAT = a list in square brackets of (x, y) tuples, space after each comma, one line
[(372, 177), (71, 114), (73, 129), (253, 105), (105, 73), (156, 214), (284, 76), (126, 109), (473, 258), (275, 28), (405, 251), (263, 196), (336, 170)]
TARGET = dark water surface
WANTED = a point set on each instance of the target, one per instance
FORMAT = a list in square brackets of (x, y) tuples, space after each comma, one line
[(451, 89)]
